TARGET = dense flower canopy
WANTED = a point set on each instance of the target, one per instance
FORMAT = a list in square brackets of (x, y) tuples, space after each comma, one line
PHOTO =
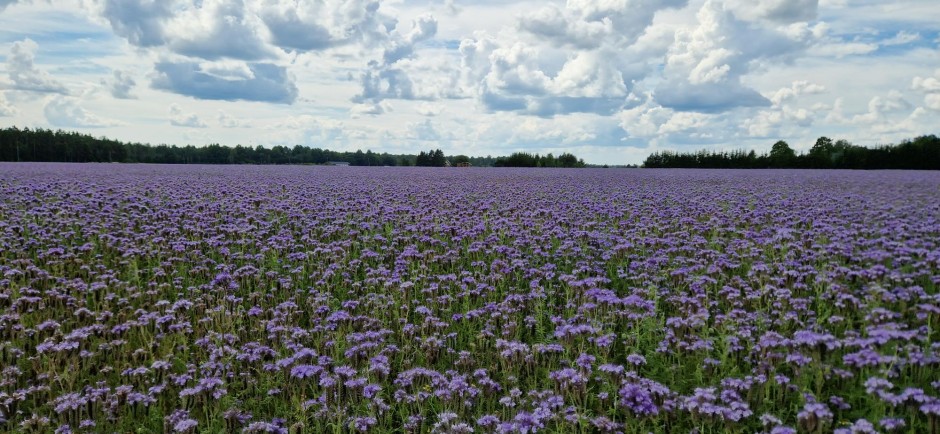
[(312, 299)]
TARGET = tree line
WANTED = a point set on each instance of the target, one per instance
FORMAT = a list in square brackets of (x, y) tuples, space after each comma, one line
[(62, 146), (921, 153), (524, 159)]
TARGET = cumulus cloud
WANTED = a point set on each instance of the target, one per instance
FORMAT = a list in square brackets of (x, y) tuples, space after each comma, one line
[(389, 78), (779, 120), (6, 109), (566, 29), (927, 84), (797, 88), (5, 3), (180, 119), (141, 22), (225, 120), (785, 114), (514, 78), (311, 130), (881, 110), (370, 109), (249, 30), (704, 66), (589, 24), (901, 38), (63, 111), (23, 73), (839, 49), (259, 34), (424, 131), (932, 101), (538, 132), (555, 61), (627, 18), (429, 110), (217, 29), (582, 58), (381, 81), (120, 85), (311, 26), (262, 82), (930, 86), (653, 122), (781, 11), (422, 29)]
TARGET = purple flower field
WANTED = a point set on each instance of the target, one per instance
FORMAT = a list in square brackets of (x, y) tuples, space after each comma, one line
[(152, 299)]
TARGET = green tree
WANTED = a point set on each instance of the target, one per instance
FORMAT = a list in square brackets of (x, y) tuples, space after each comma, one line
[(820, 154), (569, 160), (781, 155), (438, 159)]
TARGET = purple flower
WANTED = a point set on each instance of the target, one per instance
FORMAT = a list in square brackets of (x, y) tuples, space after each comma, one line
[(305, 371), (185, 425), (638, 400), (362, 424)]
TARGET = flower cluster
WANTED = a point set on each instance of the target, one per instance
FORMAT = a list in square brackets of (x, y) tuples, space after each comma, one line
[(319, 299)]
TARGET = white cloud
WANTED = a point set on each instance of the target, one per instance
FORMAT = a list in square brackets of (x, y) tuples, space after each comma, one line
[(313, 26), (392, 77), (423, 131), (653, 122), (840, 49), (5, 3), (403, 45), (312, 130), (565, 28), (227, 70), (930, 86), (226, 120), (430, 110), (782, 11), (629, 18), (6, 109), (932, 101), (120, 85), (533, 131), (240, 49), (180, 119), (217, 29), (370, 109), (142, 22), (23, 73), (901, 38), (797, 88), (260, 82), (66, 112), (704, 66), (880, 111), (927, 84)]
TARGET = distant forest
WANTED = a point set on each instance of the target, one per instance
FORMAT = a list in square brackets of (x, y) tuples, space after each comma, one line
[(62, 146), (921, 153)]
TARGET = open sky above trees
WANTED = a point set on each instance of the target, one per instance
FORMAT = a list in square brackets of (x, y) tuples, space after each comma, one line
[(611, 82)]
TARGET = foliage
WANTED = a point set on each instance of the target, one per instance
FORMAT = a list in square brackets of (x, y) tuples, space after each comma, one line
[(524, 159), (434, 158), (921, 153), (42, 145)]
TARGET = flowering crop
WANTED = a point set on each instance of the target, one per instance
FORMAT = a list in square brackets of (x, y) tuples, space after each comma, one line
[(309, 299)]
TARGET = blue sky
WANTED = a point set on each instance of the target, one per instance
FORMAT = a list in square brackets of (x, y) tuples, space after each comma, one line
[(609, 80)]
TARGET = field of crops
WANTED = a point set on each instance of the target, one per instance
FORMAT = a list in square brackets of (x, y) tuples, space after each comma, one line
[(151, 299)]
